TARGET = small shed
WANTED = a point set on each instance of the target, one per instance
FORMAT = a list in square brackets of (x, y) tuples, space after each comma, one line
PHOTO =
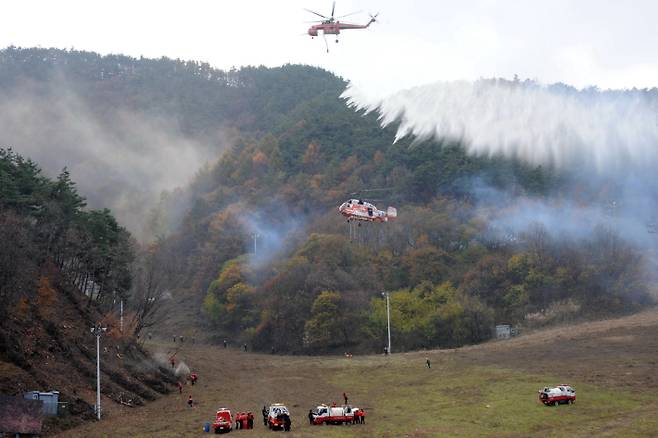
[(503, 331), (50, 400), (20, 416)]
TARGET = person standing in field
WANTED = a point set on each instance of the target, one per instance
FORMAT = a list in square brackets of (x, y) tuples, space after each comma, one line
[(427, 361), (180, 387), (190, 402), (345, 398)]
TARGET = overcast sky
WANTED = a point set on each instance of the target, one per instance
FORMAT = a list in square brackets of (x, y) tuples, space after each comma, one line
[(612, 44)]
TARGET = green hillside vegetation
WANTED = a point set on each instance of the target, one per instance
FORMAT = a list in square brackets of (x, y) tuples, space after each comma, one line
[(62, 270), (44, 221), (321, 292), (298, 153)]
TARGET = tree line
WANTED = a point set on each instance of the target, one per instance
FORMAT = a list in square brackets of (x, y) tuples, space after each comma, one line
[(45, 228)]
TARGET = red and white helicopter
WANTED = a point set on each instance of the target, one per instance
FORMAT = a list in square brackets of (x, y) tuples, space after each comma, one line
[(332, 26), (360, 210)]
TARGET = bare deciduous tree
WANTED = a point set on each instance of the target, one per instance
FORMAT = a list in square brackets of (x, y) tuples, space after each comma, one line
[(151, 280)]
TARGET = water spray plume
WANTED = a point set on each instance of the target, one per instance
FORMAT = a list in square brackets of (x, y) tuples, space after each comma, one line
[(542, 125)]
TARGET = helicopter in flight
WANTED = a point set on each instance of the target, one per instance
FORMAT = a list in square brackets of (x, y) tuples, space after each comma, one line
[(360, 210), (333, 26)]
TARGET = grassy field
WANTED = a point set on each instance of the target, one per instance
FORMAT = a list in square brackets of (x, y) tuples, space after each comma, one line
[(485, 390)]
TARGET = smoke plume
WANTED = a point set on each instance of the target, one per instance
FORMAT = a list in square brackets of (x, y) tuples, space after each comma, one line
[(270, 231), (628, 209), (120, 158)]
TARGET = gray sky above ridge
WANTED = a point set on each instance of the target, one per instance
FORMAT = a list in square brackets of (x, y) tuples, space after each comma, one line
[(611, 44)]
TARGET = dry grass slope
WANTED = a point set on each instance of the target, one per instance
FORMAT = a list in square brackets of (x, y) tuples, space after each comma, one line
[(484, 390)]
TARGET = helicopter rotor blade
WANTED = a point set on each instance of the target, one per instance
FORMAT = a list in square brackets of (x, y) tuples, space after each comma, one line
[(382, 189), (332, 9), (313, 12), (351, 13)]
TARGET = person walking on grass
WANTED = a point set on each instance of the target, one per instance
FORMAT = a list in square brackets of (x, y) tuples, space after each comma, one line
[(190, 402), (345, 398), (180, 387), (428, 363)]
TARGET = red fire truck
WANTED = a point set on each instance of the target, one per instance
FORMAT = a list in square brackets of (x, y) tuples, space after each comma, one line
[(223, 421)]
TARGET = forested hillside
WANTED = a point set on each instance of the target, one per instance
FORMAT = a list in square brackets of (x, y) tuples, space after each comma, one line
[(310, 287), (253, 249), (451, 279), (127, 128), (63, 268)]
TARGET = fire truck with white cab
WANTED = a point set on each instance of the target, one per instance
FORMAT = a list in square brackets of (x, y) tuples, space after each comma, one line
[(276, 417), (324, 414), (561, 394)]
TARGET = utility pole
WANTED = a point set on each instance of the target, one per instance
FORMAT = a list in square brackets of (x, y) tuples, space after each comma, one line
[(97, 331), (255, 236), (388, 318)]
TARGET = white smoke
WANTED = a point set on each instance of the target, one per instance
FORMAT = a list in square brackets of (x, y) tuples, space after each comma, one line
[(120, 158), (556, 125), (164, 360), (270, 232), (630, 212), (182, 369)]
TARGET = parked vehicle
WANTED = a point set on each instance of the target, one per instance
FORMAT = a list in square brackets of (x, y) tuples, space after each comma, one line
[(223, 421), (324, 414), (277, 415), (561, 394)]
